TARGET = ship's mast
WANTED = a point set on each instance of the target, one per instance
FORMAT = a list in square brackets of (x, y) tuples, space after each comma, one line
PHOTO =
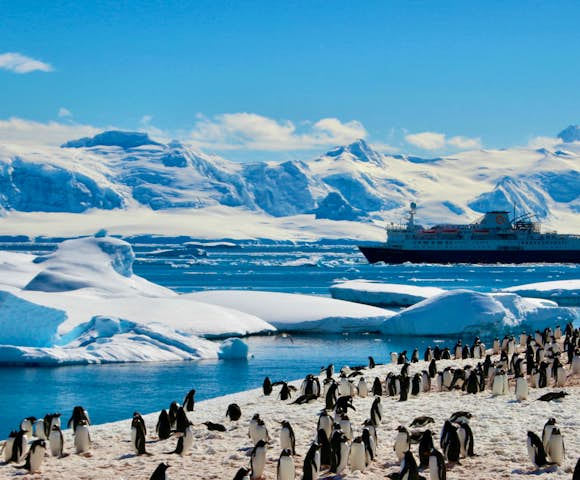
[(411, 217)]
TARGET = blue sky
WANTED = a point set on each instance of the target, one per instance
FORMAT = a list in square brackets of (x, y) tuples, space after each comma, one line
[(253, 79)]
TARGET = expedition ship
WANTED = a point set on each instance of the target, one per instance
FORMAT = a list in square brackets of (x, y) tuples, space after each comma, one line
[(495, 238)]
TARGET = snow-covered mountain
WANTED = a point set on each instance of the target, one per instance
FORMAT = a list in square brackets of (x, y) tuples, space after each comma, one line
[(124, 170)]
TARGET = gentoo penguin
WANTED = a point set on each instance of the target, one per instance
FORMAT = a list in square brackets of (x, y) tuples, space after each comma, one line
[(287, 438), (78, 414), (285, 469), (363, 389), (437, 468), (559, 373), (368, 424), (19, 446), (252, 427), (548, 397), (428, 355), (35, 456), (242, 474), (547, 432), (372, 363), (425, 448), (189, 401), (185, 441), (214, 427), (311, 462), (536, 451), (234, 412), (416, 384), (343, 404), (521, 388), (422, 421), (331, 395), (258, 459), (376, 411), (576, 363), (181, 420), (8, 446), (357, 457), (163, 427), (324, 423), (267, 386), (325, 448), (339, 459), (405, 388), (426, 381), (409, 470), (394, 357), (51, 419), (260, 432), (27, 424), (450, 442), (159, 472), (465, 435), (499, 384), (38, 429), (377, 387), (285, 392), (556, 450), (432, 368), (415, 356), (346, 426), (138, 438), (137, 422), (370, 444), (82, 437), (402, 442), (56, 441), (173, 409)]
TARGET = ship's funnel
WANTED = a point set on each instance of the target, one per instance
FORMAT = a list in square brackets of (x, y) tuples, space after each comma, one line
[(496, 220)]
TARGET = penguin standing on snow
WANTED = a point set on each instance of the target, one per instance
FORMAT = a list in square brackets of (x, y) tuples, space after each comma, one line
[(234, 412), (370, 444), (8, 446), (49, 420), (547, 432), (82, 437), (363, 389), (35, 456), (138, 437), (285, 469), (324, 423), (357, 455), (325, 448), (465, 435), (437, 468), (377, 387), (163, 427), (409, 468), (267, 386), (376, 412), (287, 438), (242, 474), (425, 448), (556, 450), (311, 462), (402, 442), (521, 388), (536, 451), (56, 441), (258, 459), (19, 446), (450, 442), (27, 425), (78, 414), (159, 473), (189, 401), (185, 441), (173, 409), (339, 444)]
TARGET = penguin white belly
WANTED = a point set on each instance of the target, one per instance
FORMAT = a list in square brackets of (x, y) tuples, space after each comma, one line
[(346, 428), (433, 468), (252, 430), (258, 462), (344, 387), (546, 434), (401, 446), (26, 425), (285, 440), (462, 436), (576, 365), (82, 439), (133, 435), (36, 458), (39, 429), (497, 387), (55, 441), (506, 386), (286, 470), (325, 424), (394, 357), (556, 449), (260, 433), (357, 456), (187, 440), (363, 389), (8, 449), (560, 377), (344, 450), (531, 452), (521, 389)]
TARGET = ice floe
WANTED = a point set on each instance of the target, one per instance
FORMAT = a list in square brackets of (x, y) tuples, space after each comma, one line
[(563, 292)]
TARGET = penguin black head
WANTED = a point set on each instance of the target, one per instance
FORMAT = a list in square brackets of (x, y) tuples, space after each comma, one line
[(261, 443), (286, 453), (159, 473)]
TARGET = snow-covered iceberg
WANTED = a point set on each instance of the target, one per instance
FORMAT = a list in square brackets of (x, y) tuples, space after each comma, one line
[(299, 313), (460, 312), (563, 292), (83, 304), (382, 294)]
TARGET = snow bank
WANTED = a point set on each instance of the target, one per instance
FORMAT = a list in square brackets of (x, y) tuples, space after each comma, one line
[(299, 313), (563, 292), (465, 312), (83, 304), (382, 294)]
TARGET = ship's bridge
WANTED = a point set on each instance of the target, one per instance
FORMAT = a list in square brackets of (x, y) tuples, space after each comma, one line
[(496, 220)]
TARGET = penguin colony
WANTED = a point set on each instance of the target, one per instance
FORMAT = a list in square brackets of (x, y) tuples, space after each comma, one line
[(339, 446)]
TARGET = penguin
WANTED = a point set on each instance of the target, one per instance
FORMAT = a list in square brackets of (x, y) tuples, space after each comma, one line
[(138, 438), (173, 409), (536, 451), (576, 363), (460, 417), (189, 401), (163, 427), (137, 423), (311, 462), (496, 346), (329, 371), (415, 356), (285, 392), (357, 457), (425, 448), (82, 437), (234, 412), (372, 363), (8, 446), (285, 469), (465, 435), (35, 456), (343, 404), (27, 424), (426, 381), (428, 355), (421, 421), (340, 449), (324, 423), (78, 414), (370, 444), (547, 432), (267, 386), (556, 450), (548, 397), (450, 442), (185, 441), (409, 470), (499, 381), (214, 427), (159, 472), (437, 353), (402, 442), (472, 383), (346, 426), (325, 448), (287, 438), (260, 432), (376, 412), (56, 441), (432, 368), (394, 357), (19, 446), (51, 419), (437, 468), (181, 420), (38, 429), (377, 387), (331, 396), (258, 459), (521, 388), (363, 389), (405, 387), (252, 427), (559, 373)]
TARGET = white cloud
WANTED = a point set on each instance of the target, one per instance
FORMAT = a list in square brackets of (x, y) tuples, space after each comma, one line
[(64, 113), (438, 141), (18, 63), (250, 131), (426, 140), (27, 133), (544, 142)]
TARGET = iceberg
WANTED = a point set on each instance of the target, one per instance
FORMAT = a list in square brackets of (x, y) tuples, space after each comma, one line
[(464, 312), (563, 292), (382, 294), (290, 312)]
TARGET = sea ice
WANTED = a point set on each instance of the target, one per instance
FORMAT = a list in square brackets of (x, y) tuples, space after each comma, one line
[(233, 349), (563, 292)]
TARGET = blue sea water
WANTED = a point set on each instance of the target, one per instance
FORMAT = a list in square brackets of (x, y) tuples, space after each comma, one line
[(113, 392)]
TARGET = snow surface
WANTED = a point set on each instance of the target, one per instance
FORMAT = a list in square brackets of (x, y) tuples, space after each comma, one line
[(461, 312), (499, 427), (299, 313), (563, 292), (382, 294)]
